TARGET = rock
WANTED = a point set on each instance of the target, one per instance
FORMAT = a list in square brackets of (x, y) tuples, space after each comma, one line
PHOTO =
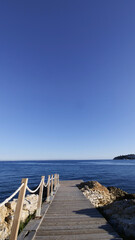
[(116, 205), (98, 194), (30, 203), (117, 193), (3, 213), (130, 196), (24, 215), (12, 205), (4, 232), (7, 213), (9, 218)]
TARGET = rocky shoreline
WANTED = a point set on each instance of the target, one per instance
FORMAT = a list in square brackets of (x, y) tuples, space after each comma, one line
[(116, 205), (7, 214)]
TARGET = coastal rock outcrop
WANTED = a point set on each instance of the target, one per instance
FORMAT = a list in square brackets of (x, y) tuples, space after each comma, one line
[(129, 156), (97, 194), (7, 213), (115, 204)]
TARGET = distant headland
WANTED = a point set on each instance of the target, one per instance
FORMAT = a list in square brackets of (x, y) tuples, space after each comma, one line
[(129, 156)]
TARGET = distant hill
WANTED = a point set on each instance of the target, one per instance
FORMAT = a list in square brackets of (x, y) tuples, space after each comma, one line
[(129, 156)]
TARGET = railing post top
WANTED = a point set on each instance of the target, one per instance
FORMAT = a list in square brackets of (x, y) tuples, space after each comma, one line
[(24, 180)]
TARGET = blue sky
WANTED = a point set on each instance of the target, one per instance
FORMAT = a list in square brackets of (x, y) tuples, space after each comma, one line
[(67, 79)]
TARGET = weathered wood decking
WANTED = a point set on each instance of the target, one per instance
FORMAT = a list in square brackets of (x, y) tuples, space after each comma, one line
[(72, 217)]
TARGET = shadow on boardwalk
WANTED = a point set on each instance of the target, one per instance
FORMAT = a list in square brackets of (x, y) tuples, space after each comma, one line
[(90, 212)]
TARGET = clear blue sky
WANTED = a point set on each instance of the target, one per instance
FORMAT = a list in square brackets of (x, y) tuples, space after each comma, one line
[(67, 79)]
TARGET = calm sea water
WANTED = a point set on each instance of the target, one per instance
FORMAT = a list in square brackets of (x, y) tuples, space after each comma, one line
[(119, 173)]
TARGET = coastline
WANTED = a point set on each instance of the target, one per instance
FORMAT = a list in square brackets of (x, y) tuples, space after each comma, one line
[(116, 205)]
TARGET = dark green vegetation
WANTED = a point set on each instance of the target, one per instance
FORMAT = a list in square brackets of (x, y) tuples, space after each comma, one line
[(129, 156), (23, 224)]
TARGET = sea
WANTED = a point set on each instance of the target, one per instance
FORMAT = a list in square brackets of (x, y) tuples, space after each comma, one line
[(118, 173)]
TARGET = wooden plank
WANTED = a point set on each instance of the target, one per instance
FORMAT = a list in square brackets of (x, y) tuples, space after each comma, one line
[(51, 221), (79, 237), (44, 208), (32, 225), (74, 231), (75, 227), (22, 235), (30, 236)]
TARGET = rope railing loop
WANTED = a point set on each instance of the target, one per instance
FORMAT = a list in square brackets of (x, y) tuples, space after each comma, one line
[(33, 191), (9, 198), (52, 178), (45, 185), (48, 181)]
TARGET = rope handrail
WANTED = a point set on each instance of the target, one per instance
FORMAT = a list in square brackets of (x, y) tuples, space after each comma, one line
[(53, 178), (33, 191), (51, 188), (9, 198), (45, 185)]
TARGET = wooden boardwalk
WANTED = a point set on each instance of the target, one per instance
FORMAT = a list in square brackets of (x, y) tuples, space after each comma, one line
[(72, 217)]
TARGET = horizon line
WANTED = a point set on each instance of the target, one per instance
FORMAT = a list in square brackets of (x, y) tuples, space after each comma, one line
[(55, 159)]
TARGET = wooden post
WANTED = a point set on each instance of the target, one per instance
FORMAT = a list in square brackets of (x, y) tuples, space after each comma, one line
[(52, 185), (18, 210), (58, 179), (54, 182), (48, 189), (38, 212)]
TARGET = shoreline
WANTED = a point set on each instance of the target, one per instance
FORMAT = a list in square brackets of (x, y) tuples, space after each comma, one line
[(116, 205)]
